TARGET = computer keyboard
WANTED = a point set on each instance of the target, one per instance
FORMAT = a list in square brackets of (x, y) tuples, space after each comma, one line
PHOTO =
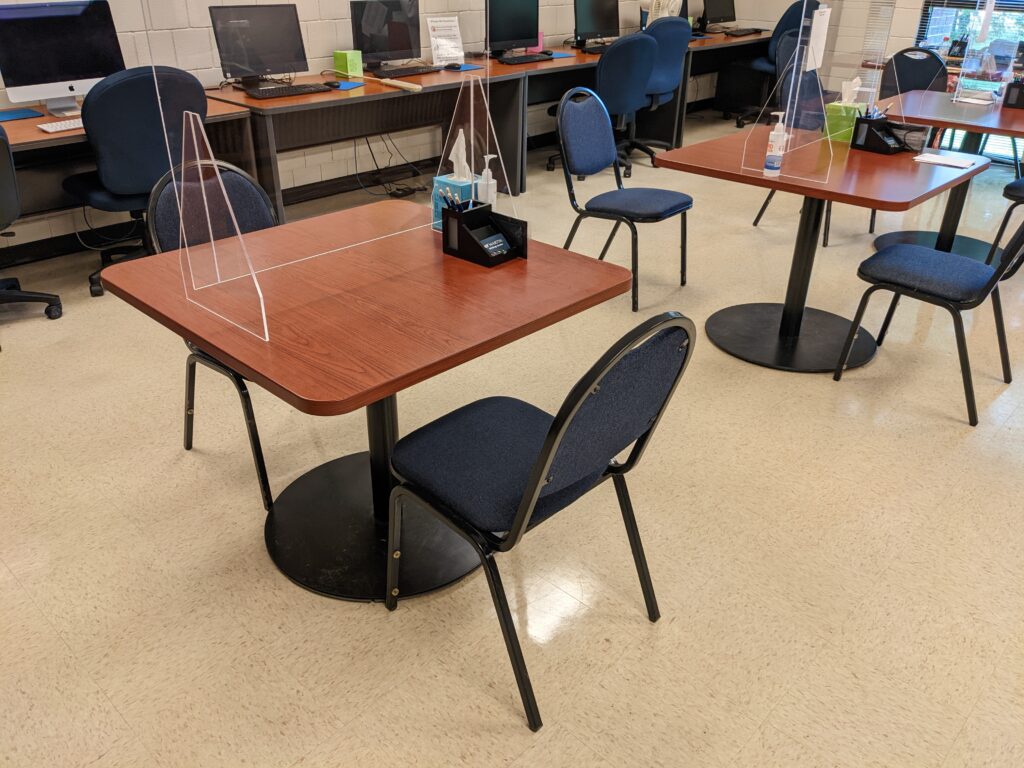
[(598, 49), (742, 32), (394, 72), (63, 125), (526, 58), (275, 91)]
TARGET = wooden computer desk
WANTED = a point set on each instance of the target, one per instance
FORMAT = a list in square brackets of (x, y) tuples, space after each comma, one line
[(349, 329), (793, 336)]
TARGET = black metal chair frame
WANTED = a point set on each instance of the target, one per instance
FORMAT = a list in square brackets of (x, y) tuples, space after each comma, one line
[(198, 356), (487, 544), (582, 213), (1009, 266)]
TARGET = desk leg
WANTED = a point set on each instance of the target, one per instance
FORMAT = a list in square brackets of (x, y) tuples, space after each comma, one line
[(791, 336), (946, 239), (328, 530), (265, 148), (683, 90)]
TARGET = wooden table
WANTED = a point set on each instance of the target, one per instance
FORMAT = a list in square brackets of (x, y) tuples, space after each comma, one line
[(938, 110), (349, 330), (792, 336)]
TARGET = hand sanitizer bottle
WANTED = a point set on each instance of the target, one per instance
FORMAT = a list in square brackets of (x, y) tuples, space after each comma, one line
[(776, 146), (487, 186)]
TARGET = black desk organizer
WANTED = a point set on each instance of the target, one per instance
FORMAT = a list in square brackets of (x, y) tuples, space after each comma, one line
[(872, 134), (1014, 98), (462, 233)]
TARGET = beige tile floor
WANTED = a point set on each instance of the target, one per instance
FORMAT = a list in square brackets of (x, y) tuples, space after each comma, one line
[(840, 566)]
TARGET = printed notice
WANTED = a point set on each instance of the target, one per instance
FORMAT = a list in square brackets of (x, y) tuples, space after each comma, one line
[(445, 40)]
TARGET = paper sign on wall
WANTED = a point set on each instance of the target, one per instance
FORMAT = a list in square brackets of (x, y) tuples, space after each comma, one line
[(445, 40), (661, 8), (818, 40)]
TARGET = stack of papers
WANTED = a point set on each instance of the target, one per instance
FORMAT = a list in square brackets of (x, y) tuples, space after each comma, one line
[(951, 160)]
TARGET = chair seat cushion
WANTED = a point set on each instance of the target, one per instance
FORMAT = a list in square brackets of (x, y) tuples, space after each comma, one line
[(945, 275), (763, 64), (641, 203), (87, 188), (477, 462), (1014, 191)]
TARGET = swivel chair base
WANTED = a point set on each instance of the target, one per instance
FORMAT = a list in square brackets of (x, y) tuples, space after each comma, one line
[(11, 293), (133, 247)]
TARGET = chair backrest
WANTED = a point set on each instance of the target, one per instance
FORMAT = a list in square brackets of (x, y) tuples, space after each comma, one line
[(250, 203), (672, 34), (913, 69), (585, 133), (1012, 258), (617, 404), (807, 102), (790, 21), (123, 121), (10, 202), (623, 73)]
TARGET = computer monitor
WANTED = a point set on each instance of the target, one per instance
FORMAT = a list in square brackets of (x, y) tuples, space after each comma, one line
[(719, 11), (386, 30), (256, 41), (512, 24), (595, 18), (54, 52)]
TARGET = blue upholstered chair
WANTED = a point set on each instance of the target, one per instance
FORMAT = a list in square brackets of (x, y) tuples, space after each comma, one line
[(10, 210), (672, 34), (253, 211), (125, 121), (497, 468), (588, 147), (955, 283)]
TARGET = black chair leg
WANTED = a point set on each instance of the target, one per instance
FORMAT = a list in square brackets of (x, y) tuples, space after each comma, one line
[(828, 224), (682, 249), (608, 242), (965, 366), (636, 267), (888, 319), (394, 550), (572, 232), (190, 400), (622, 492), (764, 207), (1016, 158), (508, 631), (1004, 352), (872, 221), (852, 335)]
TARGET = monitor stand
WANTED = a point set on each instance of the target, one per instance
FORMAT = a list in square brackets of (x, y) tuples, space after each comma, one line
[(64, 106), (250, 83)]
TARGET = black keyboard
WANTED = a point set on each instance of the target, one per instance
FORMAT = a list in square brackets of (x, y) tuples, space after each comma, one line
[(526, 58), (277, 91), (742, 32), (598, 49), (405, 71)]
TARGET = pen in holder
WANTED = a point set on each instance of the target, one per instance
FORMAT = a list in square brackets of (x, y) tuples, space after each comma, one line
[(872, 134), (481, 235)]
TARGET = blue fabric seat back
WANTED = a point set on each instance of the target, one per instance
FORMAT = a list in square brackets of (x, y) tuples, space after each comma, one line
[(585, 131), (803, 106), (250, 204), (672, 34), (623, 73), (913, 69), (10, 202), (619, 410), (123, 121), (790, 21)]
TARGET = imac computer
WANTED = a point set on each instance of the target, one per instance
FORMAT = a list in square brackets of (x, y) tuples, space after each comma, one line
[(257, 41), (55, 52), (595, 19), (512, 24), (387, 30)]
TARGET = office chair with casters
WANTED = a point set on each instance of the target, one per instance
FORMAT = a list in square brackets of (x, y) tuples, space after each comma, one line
[(125, 127), (673, 34), (253, 211), (955, 283), (497, 468), (588, 147), (623, 73), (10, 210)]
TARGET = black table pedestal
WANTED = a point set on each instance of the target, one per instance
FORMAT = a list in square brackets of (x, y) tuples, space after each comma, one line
[(328, 530)]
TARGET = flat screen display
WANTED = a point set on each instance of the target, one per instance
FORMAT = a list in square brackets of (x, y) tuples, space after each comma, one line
[(257, 40), (719, 11), (385, 30), (512, 23), (597, 18), (57, 43)]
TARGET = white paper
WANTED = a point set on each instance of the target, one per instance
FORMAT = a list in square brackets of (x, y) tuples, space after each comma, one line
[(660, 8), (949, 160), (972, 100), (445, 40), (818, 40)]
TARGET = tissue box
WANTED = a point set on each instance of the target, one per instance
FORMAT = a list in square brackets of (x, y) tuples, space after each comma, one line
[(349, 62), (839, 120), (462, 189)]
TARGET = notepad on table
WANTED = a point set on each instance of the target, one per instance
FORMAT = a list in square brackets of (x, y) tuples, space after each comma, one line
[(952, 161)]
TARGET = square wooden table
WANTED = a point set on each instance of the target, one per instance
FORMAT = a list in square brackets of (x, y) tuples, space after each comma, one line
[(792, 336), (375, 314)]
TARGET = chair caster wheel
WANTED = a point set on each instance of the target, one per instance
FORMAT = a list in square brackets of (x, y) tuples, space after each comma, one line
[(627, 173), (53, 311), (581, 178), (95, 290), (551, 167)]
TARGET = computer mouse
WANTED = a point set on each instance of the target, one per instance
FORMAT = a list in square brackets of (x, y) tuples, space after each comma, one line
[(453, 67), (332, 83), (547, 53)]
